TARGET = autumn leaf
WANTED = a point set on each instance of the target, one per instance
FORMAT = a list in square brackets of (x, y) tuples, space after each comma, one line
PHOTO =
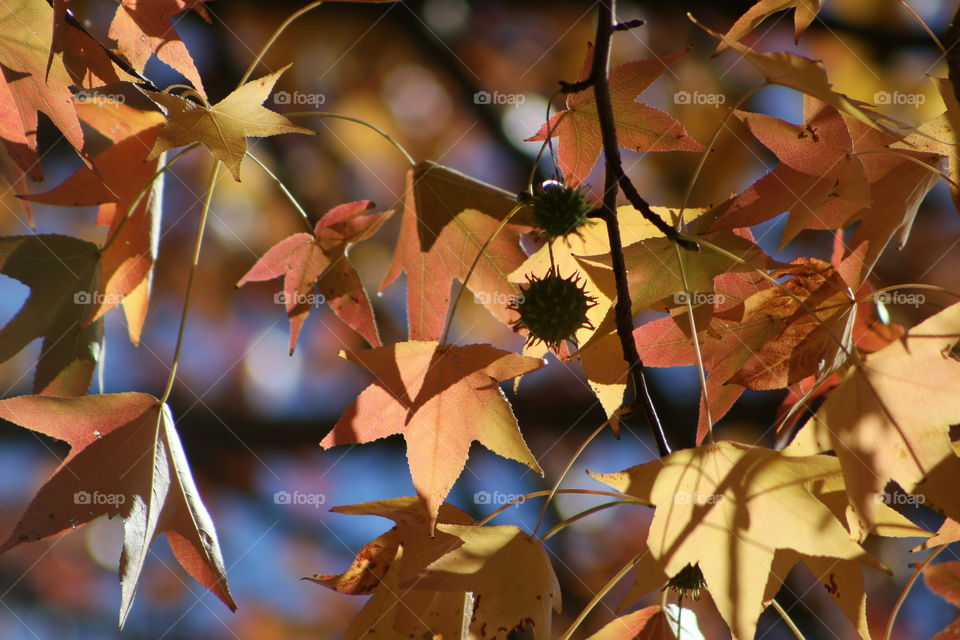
[(889, 419), (398, 556), (125, 459), (434, 583), (62, 275), (729, 508), (796, 72), (943, 579), (224, 127), (114, 180), (817, 167), (376, 557), (142, 29), (38, 79), (804, 14), (656, 280), (649, 623), (447, 219), (440, 398), (488, 564), (652, 623), (948, 133), (319, 261), (639, 127)]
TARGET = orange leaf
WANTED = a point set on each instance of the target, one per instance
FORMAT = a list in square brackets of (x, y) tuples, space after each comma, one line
[(447, 218), (639, 127), (440, 398), (319, 260)]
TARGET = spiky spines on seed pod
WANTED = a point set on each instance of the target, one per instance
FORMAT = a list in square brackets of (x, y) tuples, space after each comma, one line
[(689, 581), (559, 209), (552, 308)]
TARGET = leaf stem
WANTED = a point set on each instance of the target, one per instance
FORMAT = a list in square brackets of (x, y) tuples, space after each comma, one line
[(924, 26), (560, 526), (208, 198), (339, 116), (143, 191), (538, 494), (473, 265), (888, 631), (286, 192), (706, 152), (787, 619), (293, 17), (566, 470), (617, 577)]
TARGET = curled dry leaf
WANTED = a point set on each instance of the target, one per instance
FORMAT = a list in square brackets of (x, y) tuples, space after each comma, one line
[(318, 262)]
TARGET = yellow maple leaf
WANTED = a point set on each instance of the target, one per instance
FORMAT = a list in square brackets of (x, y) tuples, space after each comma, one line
[(223, 127)]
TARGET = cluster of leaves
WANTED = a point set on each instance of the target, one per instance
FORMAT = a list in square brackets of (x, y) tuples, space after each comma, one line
[(880, 397)]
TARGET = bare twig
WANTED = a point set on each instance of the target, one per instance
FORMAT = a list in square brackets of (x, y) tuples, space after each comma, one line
[(615, 178)]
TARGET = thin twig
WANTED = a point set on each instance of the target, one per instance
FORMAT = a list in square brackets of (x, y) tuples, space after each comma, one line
[(608, 131)]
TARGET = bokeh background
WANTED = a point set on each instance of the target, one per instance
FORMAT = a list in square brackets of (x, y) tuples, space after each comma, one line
[(251, 416)]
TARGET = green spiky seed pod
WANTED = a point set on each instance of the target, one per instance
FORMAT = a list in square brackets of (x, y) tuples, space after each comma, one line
[(689, 581), (552, 309), (559, 210)]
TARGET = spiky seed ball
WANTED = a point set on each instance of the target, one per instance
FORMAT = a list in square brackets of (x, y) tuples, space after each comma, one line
[(689, 581), (559, 209), (552, 308)]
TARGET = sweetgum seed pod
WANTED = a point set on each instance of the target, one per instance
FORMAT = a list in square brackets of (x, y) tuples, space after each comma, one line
[(559, 210), (552, 309)]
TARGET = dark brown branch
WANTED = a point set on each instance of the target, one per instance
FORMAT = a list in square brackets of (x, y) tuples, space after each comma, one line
[(614, 171), (629, 24)]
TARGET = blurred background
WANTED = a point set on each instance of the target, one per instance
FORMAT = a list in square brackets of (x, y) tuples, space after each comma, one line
[(251, 416)]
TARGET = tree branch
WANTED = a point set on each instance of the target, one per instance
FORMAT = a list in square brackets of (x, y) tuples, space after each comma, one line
[(615, 177)]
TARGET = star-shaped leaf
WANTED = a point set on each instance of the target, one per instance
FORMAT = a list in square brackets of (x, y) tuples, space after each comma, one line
[(225, 126), (729, 508), (319, 261), (125, 459), (440, 398), (639, 126)]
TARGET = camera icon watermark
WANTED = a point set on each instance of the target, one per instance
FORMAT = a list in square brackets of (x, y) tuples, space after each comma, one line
[(296, 498), (698, 97), (697, 498), (95, 297), (299, 299), (698, 297), (500, 299), (899, 498), (299, 98), (497, 498), (896, 97), (486, 97), (898, 297), (99, 99), (97, 498)]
